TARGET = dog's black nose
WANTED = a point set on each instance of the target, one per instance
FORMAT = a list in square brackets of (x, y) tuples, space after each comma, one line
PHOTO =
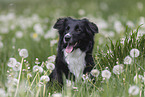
[(67, 37)]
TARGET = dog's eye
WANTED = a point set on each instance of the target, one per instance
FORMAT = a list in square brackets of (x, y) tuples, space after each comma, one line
[(67, 28), (78, 30)]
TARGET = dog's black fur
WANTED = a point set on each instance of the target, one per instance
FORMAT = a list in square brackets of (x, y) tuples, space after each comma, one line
[(81, 32)]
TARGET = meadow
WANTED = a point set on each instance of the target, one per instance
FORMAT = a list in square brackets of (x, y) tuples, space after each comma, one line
[(28, 45)]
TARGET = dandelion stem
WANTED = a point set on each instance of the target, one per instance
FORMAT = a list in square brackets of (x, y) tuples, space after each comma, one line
[(34, 80), (32, 83), (144, 84), (37, 94), (94, 85), (19, 77), (44, 90), (100, 67)]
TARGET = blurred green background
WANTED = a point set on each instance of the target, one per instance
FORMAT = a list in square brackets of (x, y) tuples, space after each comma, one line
[(127, 8)]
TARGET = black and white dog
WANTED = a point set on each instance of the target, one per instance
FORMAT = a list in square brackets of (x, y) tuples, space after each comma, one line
[(76, 41)]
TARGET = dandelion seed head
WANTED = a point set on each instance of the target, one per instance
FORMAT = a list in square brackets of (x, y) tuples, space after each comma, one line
[(29, 75), (95, 72), (118, 69), (37, 68), (12, 62), (134, 53), (106, 74), (57, 95), (44, 79), (51, 58), (17, 66), (23, 53), (50, 66), (133, 90), (138, 78), (127, 60)]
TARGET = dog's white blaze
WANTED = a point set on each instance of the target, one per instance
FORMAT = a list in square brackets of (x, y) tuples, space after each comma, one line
[(76, 61)]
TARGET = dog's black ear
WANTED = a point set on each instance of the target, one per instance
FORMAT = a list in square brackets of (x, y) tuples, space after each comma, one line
[(91, 27), (59, 24)]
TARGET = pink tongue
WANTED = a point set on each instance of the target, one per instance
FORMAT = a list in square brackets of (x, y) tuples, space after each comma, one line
[(69, 48)]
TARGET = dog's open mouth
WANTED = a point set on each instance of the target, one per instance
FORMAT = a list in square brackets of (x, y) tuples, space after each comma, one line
[(70, 47)]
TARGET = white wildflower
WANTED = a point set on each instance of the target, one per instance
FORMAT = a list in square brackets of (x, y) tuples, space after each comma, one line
[(140, 33), (104, 6), (4, 30), (122, 41), (53, 42), (17, 66), (23, 53), (50, 66), (38, 29), (37, 61), (140, 6), (1, 44), (37, 68), (51, 58), (85, 77), (133, 90), (19, 34), (2, 93), (142, 21), (50, 34), (127, 60), (29, 75), (69, 83), (0, 37), (44, 79), (57, 95), (138, 78), (134, 53), (12, 62), (130, 24), (40, 84), (81, 12), (118, 26), (14, 81), (118, 69), (102, 24), (11, 89), (95, 72), (106, 74)]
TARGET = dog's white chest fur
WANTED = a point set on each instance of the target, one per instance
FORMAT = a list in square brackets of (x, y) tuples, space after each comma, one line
[(76, 61)]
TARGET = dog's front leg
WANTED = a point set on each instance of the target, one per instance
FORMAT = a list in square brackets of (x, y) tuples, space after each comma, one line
[(56, 77), (89, 64)]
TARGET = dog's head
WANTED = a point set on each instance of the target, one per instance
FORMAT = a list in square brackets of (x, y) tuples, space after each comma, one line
[(75, 33)]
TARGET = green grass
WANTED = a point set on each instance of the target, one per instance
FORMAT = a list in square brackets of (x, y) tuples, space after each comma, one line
[(108, 50)]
